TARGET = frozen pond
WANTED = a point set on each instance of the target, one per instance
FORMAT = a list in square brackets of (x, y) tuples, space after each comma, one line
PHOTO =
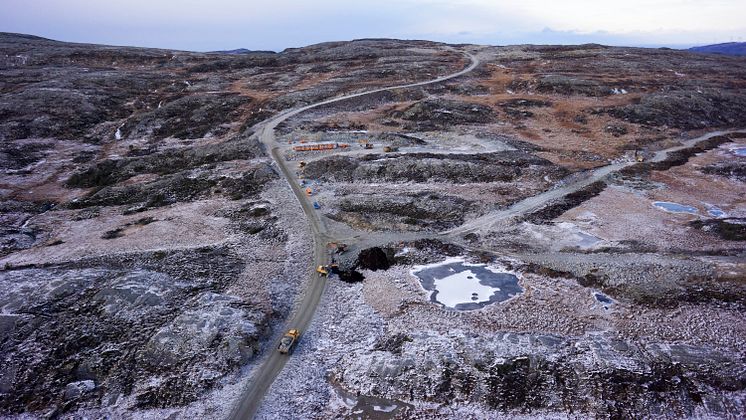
[(715, 211), (675, 207), (739, 151), (457, 284)]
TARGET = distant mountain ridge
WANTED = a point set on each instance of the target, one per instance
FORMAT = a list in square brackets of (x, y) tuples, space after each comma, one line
[(243, 51), (727, 48)]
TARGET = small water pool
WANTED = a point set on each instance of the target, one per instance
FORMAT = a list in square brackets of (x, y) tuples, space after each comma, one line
[(675, 207), (456, 284), (716, 211), (603, 299), (739, 151)]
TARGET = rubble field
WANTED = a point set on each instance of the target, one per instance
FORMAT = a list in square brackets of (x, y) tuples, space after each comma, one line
[(151, 249)]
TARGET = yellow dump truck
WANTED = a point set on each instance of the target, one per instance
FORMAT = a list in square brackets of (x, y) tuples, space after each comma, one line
[(322, 270), (288, 341)]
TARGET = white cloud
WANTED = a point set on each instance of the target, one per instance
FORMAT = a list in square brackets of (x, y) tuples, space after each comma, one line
[(197, 24)]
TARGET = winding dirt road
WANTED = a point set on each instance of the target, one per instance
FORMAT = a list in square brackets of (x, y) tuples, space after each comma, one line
[(301, 319)]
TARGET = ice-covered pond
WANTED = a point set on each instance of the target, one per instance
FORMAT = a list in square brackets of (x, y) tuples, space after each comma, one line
[(675, 207), (739, 151), (715, 211), (456, 284)]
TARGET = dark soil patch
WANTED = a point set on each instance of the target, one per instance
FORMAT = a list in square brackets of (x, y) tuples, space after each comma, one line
[(113, 234), (351, 276), (555, 209), (730, 229), (392, 343), (733, 170)]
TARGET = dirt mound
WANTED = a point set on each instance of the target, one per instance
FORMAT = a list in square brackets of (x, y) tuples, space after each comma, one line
[(431, 167), (404, 212)]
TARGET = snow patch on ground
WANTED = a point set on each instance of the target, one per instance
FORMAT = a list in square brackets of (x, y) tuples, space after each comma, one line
[(461, 288)]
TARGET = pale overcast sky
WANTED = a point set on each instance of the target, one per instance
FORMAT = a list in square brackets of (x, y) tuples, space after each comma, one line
[(278, 24)]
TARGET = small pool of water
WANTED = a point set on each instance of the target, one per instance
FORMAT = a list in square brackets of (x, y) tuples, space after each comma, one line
[(456, 284), (739, 151), (587, 240), (675, 207), (715, 211), (603, 299)]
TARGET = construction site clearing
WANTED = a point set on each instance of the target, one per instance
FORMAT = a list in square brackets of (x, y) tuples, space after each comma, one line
[(319, 146), (628, 293)]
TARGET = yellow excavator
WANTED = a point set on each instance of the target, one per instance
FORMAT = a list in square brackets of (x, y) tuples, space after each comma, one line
[(324, 270)]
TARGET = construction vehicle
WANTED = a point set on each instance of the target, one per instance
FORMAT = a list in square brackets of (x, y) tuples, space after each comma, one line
[(389, 149), (365, 144), (309, 191), (288, 341), (337, 247), (316, 205), (323, 270)]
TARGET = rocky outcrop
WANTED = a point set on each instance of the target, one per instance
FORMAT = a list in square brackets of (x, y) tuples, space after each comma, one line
[(433, 114), (431, 167)]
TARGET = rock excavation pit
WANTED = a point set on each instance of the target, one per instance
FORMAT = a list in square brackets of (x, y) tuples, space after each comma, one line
[(459, 285)]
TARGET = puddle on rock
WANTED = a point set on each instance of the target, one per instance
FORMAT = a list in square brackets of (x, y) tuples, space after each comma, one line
[(459, 285), (675, 207), (603, 299)]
